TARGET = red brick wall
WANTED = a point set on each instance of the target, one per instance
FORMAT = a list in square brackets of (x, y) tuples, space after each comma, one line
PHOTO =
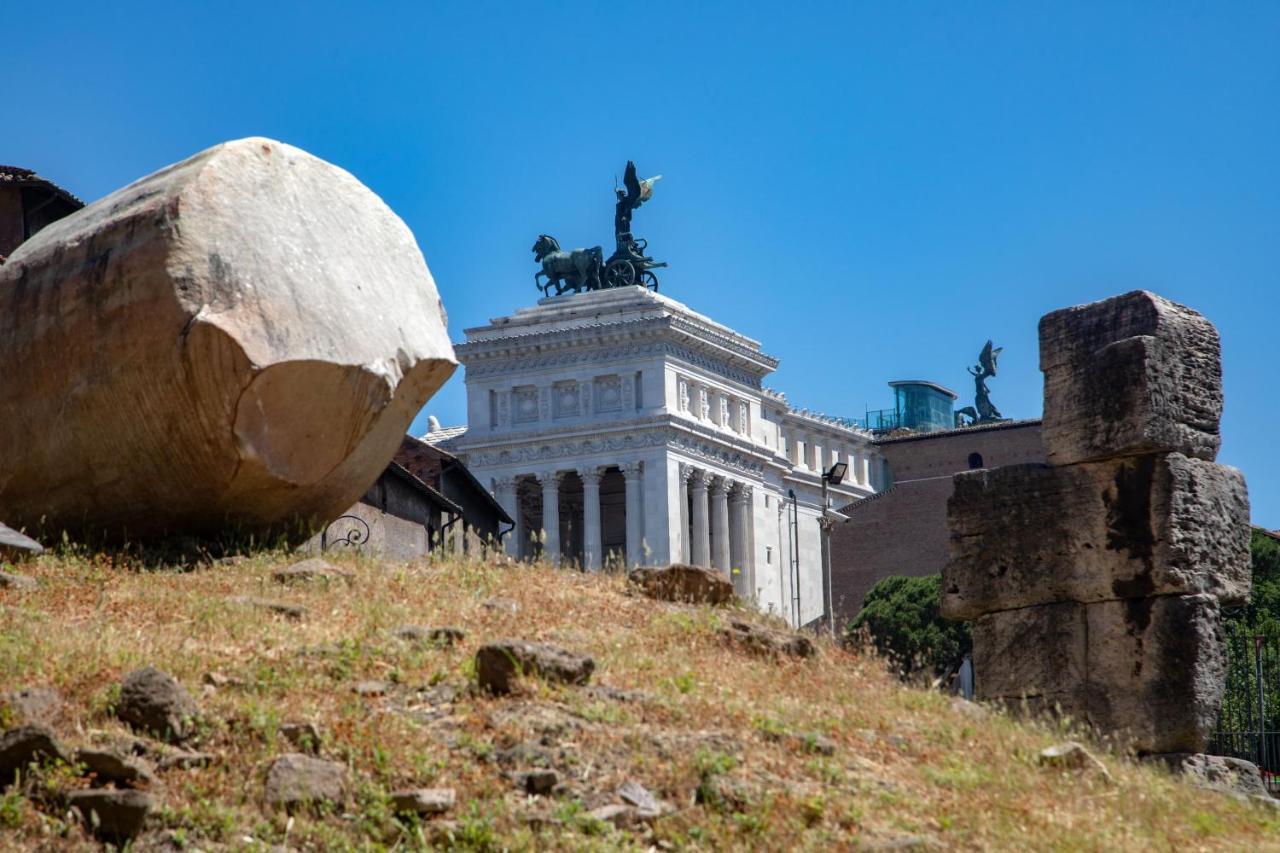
[(11, 232), (903, 530)]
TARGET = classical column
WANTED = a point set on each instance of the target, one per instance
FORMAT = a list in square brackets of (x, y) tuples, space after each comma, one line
[(634, 511), (590, 518), (720, 523), (550, 481), (861, 468), (739, 546), (700, 548), (685, 557), (504, 491)]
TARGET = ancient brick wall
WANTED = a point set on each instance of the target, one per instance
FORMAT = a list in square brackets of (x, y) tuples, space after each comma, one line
[(903, 531)]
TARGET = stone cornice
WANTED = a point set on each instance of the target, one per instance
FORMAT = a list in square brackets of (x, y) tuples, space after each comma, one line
[(694, 439), (679, 330)]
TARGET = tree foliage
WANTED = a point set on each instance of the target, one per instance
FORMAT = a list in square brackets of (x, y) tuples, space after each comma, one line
[(900, 615), (1261, 616)]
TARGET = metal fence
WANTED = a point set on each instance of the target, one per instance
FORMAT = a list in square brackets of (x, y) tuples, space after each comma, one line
[(1249, 720)]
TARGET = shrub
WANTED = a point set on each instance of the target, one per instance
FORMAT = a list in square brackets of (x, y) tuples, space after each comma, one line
[(900, 615)]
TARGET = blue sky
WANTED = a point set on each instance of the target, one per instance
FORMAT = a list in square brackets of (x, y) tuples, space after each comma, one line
[(871, 189)]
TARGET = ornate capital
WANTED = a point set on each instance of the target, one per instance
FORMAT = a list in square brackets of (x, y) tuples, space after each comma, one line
[(630, 469), (590, 473), (720, 485), (502, 484), (698, 479), (550, 479)]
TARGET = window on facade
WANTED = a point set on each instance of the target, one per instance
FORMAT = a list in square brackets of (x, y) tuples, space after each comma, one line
[(766, 501), (975, 460), (493, 409), (768, 554), (639, 390)]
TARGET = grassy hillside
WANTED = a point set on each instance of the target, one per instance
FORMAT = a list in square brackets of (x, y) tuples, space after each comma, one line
[(750, 752)]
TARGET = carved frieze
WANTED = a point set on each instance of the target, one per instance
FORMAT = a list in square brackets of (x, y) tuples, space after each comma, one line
[(608, 394), (564, 400), (526, 404)]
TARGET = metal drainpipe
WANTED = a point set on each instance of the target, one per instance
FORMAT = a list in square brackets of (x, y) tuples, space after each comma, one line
[(445, 529)]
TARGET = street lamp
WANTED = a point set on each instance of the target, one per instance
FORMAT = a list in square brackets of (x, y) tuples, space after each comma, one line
[(833, 476)]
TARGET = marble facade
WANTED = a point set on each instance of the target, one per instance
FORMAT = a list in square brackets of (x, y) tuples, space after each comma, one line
[(621, 427)]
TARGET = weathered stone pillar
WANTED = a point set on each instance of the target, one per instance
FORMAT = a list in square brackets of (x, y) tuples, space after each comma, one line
[(550, 481), (720, 524), (504, 491), (1095, 582), (634, 513), (700, 548), (684, 514), (590, 518), (739, 552)]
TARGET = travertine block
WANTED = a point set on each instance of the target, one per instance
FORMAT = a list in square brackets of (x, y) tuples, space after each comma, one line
[(1128, 375), (1166, 524), (1156, 668), (1054, 675), (241, 338)]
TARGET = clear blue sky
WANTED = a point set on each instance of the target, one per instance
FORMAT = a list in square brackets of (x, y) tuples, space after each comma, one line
[(871, 189)]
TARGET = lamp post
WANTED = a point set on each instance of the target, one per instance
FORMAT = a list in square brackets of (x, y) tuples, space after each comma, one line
[(833, 476)]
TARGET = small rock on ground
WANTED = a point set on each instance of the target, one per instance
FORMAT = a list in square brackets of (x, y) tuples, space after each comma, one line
[(499, 664), (683, 583), (443, 636), (304, 736), (155, 702), (1215, 772), (12, 581), (278, 608), (1072, 756), (638, 795), (618, 815), (297, 781), (109, 814), (26, 744), (539, 781), (109, 768), (34, 705), (314, 569), (423, 801), (371, 689), (768, 641), (500, 605)]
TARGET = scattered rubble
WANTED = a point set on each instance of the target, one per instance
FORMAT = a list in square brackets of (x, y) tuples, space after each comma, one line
[(296, 781), (423, 801), (293, 612), (768, 641), (313, 569), (25, 745), (684, 583), (110, 814), (499, 664), (154, 702)]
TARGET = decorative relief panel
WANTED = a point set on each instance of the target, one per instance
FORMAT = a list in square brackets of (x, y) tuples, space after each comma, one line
[(744, 418), (565, 399), (526, 404), (608, 396), (544, 404), (504, 408), (723, 417), (628, 395), (682, 388), (704, 403)]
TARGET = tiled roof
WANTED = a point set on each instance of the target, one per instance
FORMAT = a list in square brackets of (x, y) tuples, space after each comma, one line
[(27, 177)]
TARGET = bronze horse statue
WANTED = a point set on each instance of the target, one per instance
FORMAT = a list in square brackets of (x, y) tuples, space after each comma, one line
[(578, 270)]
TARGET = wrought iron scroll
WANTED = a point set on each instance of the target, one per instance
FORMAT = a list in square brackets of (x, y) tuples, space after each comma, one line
[(354, 536)]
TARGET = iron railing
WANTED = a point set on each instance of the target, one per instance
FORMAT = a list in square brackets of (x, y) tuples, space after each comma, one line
[(1249, 719)]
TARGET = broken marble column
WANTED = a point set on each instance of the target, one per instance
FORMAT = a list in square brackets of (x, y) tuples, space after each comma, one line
[(239, 339), (1096, 581)]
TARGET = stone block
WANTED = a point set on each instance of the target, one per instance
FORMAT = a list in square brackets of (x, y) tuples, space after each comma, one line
[(1024, 535), (237, 340), (1156, 668), (1129, 375), (1035, 655)]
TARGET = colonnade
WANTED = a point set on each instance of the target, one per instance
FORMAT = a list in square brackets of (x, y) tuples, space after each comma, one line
[(718, 528), (550, 483)]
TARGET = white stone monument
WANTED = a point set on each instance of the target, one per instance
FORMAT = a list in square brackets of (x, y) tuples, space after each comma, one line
[(621, 427)]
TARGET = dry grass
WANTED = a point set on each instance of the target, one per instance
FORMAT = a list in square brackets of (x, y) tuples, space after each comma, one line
[(908, 762)]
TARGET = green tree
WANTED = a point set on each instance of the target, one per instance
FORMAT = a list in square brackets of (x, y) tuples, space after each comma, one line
[(900, 615), (1262, 614)]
